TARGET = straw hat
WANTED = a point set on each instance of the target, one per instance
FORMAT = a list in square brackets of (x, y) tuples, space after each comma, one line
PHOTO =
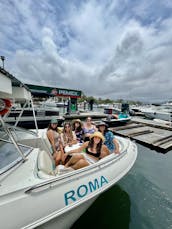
[(54, 121), (76, 120), (98, 134)]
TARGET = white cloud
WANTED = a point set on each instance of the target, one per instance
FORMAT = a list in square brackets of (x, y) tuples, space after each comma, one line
[(108, 49)]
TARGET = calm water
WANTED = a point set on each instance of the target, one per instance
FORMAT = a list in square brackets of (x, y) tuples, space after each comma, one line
[(141, 200)]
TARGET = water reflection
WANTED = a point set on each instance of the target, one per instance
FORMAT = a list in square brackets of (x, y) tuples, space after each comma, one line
[(110, 210)]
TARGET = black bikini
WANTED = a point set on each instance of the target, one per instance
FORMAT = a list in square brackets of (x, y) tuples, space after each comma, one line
[(93, 154)]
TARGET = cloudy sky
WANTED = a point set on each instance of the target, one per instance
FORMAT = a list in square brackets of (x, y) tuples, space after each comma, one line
[(118, 49)]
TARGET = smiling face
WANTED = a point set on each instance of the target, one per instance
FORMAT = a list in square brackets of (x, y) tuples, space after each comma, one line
[(96, 139)]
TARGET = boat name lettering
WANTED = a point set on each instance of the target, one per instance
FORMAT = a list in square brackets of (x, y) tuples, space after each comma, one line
[(84, 189)]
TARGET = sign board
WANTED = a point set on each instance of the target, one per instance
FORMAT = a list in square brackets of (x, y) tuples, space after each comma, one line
[(54, 91)]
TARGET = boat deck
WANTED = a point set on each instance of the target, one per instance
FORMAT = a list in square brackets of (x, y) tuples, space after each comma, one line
[(154, 135)]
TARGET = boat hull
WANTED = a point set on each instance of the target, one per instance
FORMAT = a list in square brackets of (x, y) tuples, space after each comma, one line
[(66, 197), (158, 115)]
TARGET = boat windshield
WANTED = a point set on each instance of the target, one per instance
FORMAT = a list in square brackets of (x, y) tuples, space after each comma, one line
[(17, 132), (9, 153)]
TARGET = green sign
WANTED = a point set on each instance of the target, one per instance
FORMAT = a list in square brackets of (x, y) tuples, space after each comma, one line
[(54, 91)]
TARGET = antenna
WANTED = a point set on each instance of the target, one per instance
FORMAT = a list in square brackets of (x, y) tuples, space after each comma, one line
[(2, 58)]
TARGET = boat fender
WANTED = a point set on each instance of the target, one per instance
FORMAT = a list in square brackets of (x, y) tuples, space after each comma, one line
[(5, 105)]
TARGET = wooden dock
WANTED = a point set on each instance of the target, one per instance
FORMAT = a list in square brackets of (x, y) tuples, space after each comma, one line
[(147, 132)]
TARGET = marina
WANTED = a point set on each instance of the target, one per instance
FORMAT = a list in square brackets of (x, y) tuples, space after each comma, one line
[(85, 114)]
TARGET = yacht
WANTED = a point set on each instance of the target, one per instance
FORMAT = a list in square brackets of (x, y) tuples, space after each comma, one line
[(51, 102), (158, 112), (25, 116), (33, 191)]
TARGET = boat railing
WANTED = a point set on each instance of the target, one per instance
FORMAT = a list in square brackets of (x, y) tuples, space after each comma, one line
[(88, 169), (28, 103)]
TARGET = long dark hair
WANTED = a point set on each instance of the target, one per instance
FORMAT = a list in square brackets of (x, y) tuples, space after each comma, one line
[(69, 138), (51, 128), (98, 147), (106, 129), (79, 128)]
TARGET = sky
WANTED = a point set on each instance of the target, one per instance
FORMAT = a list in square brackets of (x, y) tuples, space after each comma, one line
[(116, 49)]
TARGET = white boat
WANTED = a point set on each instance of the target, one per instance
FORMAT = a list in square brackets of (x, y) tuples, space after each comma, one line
[(23, 116), (33, 192), (159, 112), (116, 120), (51, 102), (27, 115)]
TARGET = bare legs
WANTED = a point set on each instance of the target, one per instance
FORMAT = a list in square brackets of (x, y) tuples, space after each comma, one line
[(77, 161), (57, 156)]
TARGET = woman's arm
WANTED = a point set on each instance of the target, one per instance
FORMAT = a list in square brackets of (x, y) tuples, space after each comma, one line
[(104, 151), (74, 141), (95, 128), (51, 139), (78, 150), (116, 146)]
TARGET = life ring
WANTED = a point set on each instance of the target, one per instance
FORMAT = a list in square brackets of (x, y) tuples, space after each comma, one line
[(5, 105)]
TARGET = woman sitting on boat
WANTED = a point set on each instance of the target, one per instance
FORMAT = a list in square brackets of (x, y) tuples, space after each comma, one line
[(68, 137), (77, 128), (55, 140), (89, 128), (94, 151), (110, 140)]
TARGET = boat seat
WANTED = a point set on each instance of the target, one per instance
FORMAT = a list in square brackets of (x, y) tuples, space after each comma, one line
[(45, 165), (46, 141)]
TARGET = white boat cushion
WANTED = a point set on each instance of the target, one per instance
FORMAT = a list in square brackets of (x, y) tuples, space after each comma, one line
[(73, 147), (45, 163), (46, 145)]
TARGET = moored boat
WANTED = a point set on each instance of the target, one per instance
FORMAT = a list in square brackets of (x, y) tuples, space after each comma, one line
[(33, 191), (30, 181), (117, 119)]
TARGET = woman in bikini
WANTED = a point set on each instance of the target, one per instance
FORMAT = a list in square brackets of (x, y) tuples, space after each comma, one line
[(77, 128), (68, 136), (88, 129), (94, 151), (55, 140)]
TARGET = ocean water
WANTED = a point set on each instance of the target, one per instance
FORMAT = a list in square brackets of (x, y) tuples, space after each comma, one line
[(140, 200)]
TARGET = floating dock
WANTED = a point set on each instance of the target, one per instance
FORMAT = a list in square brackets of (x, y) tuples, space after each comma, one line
[(147, 132)]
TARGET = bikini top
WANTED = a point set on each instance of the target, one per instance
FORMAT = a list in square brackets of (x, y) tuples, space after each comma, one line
[(93, 154), (89, 131)]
